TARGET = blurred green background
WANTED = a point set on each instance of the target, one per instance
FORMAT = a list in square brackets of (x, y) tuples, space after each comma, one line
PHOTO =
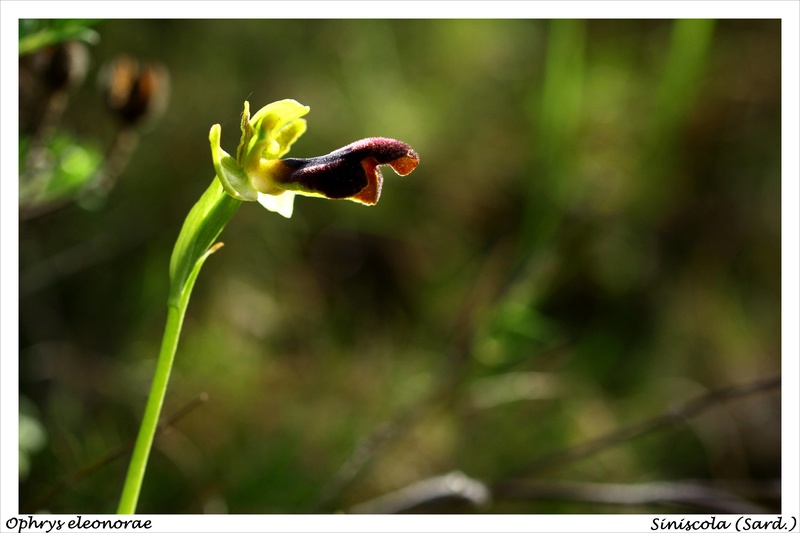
[(592, 237)]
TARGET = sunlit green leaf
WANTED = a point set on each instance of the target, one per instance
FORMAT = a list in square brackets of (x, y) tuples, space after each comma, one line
[(36, 34), (65, 167)]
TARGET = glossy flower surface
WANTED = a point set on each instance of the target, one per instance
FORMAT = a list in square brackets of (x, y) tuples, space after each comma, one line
[(258, 174)]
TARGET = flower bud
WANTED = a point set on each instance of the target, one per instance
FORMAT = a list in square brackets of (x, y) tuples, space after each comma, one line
[(135, 93)]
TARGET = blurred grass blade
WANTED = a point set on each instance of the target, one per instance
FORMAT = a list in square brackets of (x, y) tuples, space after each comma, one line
[(676, 94), (562, 91), (688, 53)]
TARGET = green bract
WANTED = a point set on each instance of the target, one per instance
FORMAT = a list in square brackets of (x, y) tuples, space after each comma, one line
[(265, 138)]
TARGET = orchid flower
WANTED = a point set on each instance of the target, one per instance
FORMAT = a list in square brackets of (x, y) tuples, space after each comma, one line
[(258, 174)]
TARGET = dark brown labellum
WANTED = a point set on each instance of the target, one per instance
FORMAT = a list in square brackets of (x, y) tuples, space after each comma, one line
[(348, 173)]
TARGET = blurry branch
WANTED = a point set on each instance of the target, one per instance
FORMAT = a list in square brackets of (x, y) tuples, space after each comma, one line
[(449, 377), (489, 392), (695, 495), (365, 452), (664, 420), (453, 492), (164, 426), (457, 493)]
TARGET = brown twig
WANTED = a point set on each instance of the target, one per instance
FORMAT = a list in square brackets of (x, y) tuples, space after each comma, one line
[(457, 493), (453, 492), (666, 419), (444, 493)]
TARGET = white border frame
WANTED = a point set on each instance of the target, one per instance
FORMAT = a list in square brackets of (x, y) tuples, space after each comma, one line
[(11, 11)]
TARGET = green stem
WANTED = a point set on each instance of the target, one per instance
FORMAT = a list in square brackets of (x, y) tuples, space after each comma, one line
[(195, 243), (158, 390)]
